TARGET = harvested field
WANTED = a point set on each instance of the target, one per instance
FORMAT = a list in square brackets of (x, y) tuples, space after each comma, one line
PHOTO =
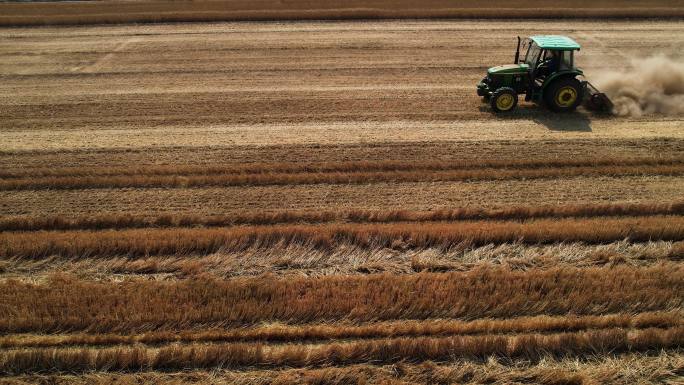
[(349, 260), (380, 351), (422, 196), (29, 223), (620, 370), (314, 332), (398, 235), (143, 305), (220, 10), (328, 202)]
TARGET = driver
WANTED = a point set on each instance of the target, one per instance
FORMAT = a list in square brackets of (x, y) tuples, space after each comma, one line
[(554, 62), (550, 64)]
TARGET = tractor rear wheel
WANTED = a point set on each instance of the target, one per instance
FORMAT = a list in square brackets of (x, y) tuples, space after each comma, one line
[(504, 99), (563, 95)]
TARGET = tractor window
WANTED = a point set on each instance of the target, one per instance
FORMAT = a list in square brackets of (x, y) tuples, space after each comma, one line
[(532, 55), (555, 60), (566, 60)]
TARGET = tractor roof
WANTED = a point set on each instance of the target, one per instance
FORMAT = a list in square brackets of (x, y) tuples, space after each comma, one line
[(555, 42)]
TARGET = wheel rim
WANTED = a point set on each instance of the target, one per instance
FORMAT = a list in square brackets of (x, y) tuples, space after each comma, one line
[(566, 96), (504, 102)]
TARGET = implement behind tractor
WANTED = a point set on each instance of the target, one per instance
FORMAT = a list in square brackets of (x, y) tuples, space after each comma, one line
[(546, 75)]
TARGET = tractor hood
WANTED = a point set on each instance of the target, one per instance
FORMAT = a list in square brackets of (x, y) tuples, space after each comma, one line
[(509, 69)]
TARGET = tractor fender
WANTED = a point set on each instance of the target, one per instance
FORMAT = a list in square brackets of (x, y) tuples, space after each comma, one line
[(559, 75)]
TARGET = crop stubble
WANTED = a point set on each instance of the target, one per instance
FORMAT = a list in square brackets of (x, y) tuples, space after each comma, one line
[(218, 10), (95, 276)]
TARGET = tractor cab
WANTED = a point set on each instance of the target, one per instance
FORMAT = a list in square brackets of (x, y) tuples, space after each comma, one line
[(550, 55), (545, 73)]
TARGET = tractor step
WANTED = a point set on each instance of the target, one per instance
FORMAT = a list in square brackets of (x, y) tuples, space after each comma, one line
[(595, 100)]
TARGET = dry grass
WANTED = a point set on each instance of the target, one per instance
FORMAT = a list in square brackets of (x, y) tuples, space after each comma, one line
[(116, 221), (626, 369), (207, 10), (400, 235), (317, 332), (347, 260), (336, 166), (422, 196), (67, 304), (197, 160), (524, 346), (268, 179)]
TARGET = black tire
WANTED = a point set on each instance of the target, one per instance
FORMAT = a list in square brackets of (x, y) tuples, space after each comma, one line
[(563, 95), (504, 94), (485, 98)]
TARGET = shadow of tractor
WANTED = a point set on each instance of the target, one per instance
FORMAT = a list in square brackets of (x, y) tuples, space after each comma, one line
[(572, 121), (576, 121)]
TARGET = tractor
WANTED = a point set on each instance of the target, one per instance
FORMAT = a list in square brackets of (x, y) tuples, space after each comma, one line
[(545, 75)]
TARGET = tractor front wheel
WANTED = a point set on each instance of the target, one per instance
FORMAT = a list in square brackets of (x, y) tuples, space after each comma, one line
[(563, 95), (504, 99)]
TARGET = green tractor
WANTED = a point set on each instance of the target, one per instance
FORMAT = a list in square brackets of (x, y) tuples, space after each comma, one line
[(545, 75)]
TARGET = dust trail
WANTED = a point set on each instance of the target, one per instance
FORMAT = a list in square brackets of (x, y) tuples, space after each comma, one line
[(653, 85)]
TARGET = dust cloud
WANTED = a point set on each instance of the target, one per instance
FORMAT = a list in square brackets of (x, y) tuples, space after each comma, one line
[(654, 85)]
